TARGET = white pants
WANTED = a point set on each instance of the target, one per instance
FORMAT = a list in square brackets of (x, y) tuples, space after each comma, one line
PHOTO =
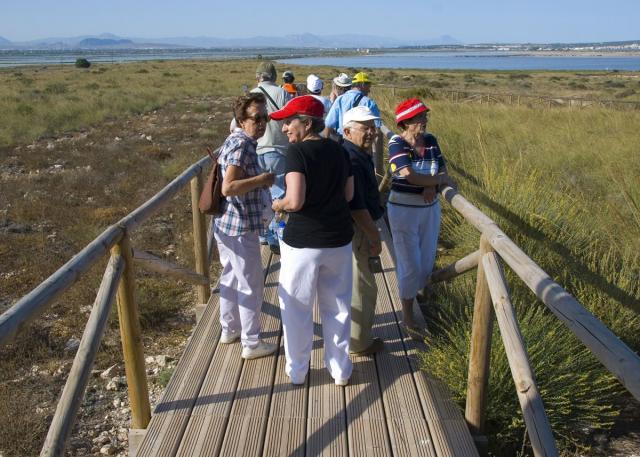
[(305, 273), (415, 239), (241, 285)]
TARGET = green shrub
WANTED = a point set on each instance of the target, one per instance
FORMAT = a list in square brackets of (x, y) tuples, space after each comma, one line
[(577, 392), (164, 376), (56, 88), (158, 300), (614, 84), (576, 85), (438, 84), (626, 93), (82, 63)]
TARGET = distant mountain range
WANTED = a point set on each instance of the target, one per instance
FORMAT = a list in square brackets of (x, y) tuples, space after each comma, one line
[(307, 40), (302, 41)]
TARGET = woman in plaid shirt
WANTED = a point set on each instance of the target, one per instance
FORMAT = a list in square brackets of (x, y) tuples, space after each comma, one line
[(236, 230)]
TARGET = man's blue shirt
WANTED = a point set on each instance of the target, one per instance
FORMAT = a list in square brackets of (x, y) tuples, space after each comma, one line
[(343, 104)]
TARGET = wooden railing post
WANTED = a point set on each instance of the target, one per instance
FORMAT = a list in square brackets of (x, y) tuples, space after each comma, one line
[(480, 350), (131, 337), (200, 239), (535, 418), (378, 152)]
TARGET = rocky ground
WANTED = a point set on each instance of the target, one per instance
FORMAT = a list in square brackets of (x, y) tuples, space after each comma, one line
[(57, 194)]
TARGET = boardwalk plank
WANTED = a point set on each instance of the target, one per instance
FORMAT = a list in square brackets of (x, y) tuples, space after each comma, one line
[(171, 414), (286, 429), (217, 404), (448, 428), (408, 430), (246, 429), (367, 428), (326, 422), (215, 398)]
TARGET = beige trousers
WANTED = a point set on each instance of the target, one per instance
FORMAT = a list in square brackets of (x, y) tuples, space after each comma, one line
[(365, 292)]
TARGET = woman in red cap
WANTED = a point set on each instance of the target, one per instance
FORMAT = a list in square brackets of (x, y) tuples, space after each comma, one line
[(316, 246), (418, 171)]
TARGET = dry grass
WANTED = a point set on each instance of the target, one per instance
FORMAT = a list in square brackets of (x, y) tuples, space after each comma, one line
[(81, 148)]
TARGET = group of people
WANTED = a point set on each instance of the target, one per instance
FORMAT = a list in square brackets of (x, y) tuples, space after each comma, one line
[(312, 167)]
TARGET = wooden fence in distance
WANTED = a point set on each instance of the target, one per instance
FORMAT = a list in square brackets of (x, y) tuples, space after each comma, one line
[(461, 96)]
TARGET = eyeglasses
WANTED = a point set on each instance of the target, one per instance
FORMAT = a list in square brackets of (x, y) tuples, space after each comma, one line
[(258, 118)]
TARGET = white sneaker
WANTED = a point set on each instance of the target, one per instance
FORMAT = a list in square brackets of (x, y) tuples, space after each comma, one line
[(342, 382), (261, 350), (228, 338)]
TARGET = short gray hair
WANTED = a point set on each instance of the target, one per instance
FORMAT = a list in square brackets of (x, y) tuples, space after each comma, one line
[(349, 125), (317, 123)]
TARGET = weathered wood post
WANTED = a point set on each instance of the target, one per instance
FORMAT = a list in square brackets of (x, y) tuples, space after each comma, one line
[(378, 152), (131, 337), (535, 418), (479, 353), (200, 244)]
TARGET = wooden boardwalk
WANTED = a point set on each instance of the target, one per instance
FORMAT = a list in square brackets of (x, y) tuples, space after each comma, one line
[(218, 404)]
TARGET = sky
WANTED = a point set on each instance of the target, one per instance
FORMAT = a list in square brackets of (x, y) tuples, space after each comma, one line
[(470, 21)]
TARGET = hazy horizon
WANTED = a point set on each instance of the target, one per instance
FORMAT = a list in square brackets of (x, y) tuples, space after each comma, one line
[(493, 21)]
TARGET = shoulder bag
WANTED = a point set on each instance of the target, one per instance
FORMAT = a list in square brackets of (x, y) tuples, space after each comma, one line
[(211, 197)]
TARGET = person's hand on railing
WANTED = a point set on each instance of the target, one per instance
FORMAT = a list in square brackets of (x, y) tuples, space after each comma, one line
[(447, 181)]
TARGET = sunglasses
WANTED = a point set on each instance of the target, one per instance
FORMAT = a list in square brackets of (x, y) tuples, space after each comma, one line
[(258, 118)]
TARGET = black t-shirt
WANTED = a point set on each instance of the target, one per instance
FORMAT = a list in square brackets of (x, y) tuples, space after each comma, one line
[(324, 220), (365, 192)]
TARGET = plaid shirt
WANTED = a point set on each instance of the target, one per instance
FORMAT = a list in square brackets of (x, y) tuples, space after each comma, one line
[(242, 213)]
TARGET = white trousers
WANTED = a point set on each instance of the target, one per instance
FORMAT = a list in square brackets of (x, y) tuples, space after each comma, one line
[(415, 239), (241, 285), (304, 274)]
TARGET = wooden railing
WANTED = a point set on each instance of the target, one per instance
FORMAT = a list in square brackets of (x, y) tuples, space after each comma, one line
[(492, 291), (491, 298), (118, 282)]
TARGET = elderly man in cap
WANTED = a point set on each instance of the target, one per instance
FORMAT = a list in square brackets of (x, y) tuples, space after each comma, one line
[(359, 132), (273, 145), (358, 95)]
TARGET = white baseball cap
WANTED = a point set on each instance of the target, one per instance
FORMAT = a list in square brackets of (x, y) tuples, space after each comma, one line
[(359, 114), (314, 84)]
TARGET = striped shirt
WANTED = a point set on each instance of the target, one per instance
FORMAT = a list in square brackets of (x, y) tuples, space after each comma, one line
[(428, 161), (241, 213)]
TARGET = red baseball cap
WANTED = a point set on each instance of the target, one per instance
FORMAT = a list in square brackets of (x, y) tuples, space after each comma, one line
[(409, 108), (304, 105)]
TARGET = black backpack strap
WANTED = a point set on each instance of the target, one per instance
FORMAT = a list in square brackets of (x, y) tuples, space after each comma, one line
[(356, 101), (269, 97)]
